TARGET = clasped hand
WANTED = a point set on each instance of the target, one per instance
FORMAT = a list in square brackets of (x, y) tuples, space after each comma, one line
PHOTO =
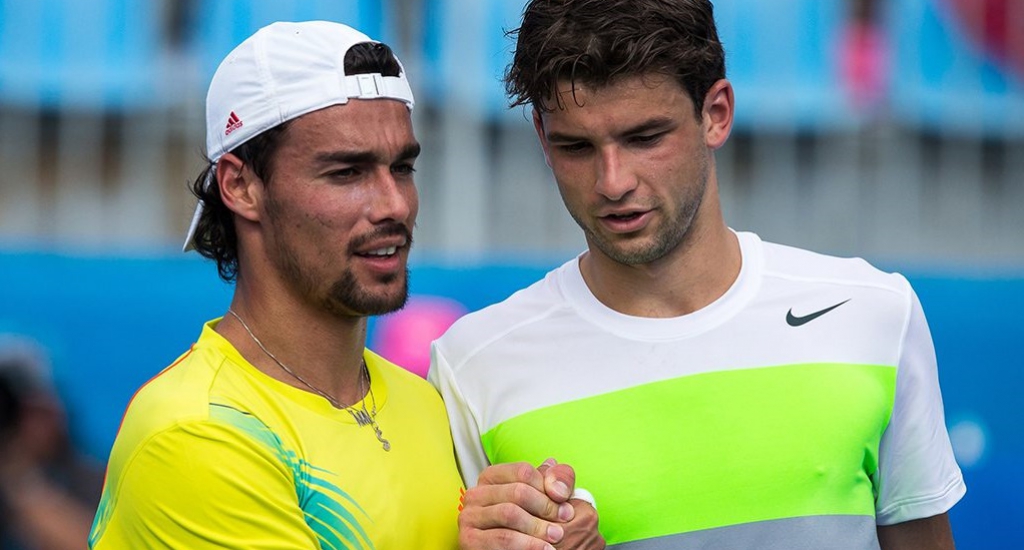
[(518, 507)]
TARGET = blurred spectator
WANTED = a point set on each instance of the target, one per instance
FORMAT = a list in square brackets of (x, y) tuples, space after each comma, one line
[(863, 55), (48, 492), (404, 337), (997, 26)]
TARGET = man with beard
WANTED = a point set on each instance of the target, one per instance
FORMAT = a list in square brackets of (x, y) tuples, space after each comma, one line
[(278, 429), (710, 389)]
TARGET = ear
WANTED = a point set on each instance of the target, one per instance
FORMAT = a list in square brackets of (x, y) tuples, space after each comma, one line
[(718, 113), (240, 189), (538, 125)]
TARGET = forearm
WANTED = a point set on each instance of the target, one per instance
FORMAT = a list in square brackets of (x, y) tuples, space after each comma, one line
[(932, 533)]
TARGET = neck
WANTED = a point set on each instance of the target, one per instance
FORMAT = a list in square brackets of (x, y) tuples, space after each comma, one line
[(324, 350), (698, 272)]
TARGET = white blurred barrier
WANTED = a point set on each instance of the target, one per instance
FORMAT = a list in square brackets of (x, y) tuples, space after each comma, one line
[(933, 174)]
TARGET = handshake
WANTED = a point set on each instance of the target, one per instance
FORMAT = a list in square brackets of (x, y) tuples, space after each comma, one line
[(518, 507)]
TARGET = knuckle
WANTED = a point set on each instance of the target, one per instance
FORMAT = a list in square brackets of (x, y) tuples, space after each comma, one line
[(549, 510), (524, 472), (520, 493), (508, 513), (467, 521), (565, 473), (481, 479)]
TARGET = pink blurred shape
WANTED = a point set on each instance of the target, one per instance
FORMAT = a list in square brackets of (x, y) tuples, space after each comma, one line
[(404, 337), (998, 26), (864, 64)]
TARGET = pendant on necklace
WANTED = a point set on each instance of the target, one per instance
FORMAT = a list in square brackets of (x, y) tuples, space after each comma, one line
[(362, 417), (380, 437)]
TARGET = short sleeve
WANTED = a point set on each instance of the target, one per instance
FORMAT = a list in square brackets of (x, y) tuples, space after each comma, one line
[(465, 433), (202, 485), (918, 475)]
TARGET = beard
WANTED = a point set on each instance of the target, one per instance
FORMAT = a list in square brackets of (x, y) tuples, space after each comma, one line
[(347, 296), (669, 237)]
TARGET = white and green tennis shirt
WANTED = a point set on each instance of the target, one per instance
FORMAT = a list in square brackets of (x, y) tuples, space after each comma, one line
[(799, 410)]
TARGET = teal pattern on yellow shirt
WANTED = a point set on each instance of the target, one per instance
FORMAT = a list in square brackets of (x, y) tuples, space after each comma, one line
[(335, 526), (99, 523)]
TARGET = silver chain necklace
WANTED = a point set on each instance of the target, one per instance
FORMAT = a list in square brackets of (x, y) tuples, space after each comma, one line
[(361, 416)]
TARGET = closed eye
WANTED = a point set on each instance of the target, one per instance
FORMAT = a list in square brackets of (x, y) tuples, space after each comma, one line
[(404, 169), (574, 147), (646, 139), (344, 173)]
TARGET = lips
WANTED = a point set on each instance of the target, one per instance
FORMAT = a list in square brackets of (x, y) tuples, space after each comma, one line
[(626, 216), (387, 251), (383, 242), (625, 221), (382, 249)]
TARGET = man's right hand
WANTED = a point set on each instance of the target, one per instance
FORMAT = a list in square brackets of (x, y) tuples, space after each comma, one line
[(518, 507)]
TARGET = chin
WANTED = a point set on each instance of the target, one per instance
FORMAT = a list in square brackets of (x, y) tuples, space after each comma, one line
[(390, 304), (348, 297), (365, 304)]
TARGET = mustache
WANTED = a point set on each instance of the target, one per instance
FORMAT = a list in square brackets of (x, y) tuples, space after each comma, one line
[(383, 230)]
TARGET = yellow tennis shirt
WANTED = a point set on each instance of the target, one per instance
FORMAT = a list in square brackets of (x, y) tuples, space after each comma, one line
[(213, 453)]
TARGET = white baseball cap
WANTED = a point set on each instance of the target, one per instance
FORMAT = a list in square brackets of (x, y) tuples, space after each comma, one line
[(282, 72)]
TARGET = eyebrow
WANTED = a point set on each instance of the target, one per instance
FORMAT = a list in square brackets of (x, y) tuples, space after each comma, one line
[(408, 152), (654, 124)]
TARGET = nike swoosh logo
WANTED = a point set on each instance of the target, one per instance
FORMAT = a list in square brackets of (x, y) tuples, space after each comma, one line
[(795, 321)]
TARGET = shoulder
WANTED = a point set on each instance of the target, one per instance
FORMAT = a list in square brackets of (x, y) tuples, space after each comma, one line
[(185, 453), (811, 281), (223, 437), (185, 463), (525, 307), (184, 406), (179, 392), (797, 265)]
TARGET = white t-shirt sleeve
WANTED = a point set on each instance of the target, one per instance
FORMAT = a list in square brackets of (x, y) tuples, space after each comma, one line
[(918, 476), (465, 432)]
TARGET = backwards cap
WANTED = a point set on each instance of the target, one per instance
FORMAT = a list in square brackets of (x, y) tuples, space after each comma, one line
[(282, 72)]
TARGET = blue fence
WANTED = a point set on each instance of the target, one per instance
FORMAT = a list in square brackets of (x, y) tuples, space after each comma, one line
[(80, 54), (220, 25), (945, 77), (127, 54), (112, 323)]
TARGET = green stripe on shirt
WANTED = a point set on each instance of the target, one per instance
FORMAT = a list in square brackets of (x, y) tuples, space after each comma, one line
[(716, 449)]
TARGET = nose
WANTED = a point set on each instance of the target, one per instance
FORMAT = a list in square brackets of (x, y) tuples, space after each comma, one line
[(395, 198), (614, 178)]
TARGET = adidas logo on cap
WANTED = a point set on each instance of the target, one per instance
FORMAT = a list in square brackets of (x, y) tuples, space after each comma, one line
[(234, 123)]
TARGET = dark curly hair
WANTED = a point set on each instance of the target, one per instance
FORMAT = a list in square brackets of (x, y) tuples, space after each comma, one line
[(596, 42), (215, 237)]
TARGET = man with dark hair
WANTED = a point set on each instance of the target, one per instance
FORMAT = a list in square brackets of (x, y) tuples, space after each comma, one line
[(710, 389), (278, 429)]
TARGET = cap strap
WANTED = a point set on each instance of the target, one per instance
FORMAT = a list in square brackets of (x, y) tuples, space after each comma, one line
[(374, 85)]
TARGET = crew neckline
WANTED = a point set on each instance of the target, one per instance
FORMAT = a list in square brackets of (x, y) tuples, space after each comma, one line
[(304, 398), (739, 294)]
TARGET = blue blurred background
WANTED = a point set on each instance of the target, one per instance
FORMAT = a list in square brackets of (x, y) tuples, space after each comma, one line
[(894, 133)]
